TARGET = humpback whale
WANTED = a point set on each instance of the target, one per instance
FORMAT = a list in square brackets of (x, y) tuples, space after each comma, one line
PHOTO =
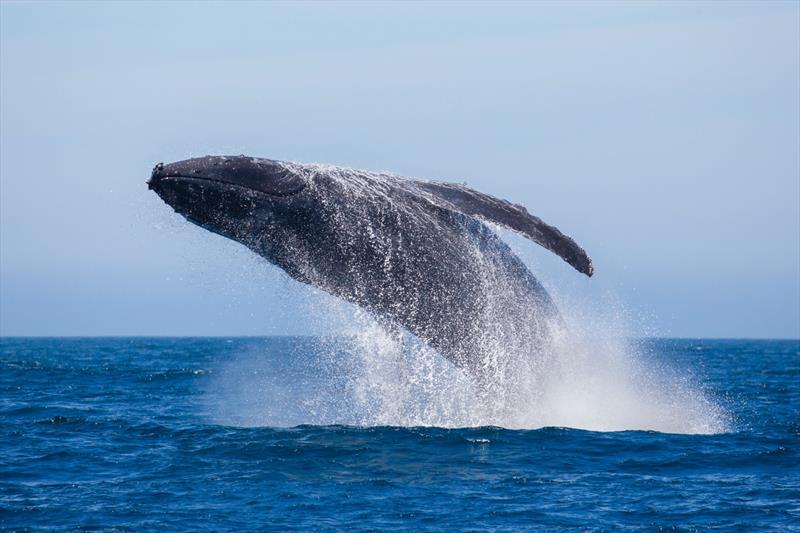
[(414, 253)]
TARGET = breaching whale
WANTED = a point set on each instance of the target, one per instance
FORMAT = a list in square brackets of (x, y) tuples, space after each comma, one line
[(414, 253)]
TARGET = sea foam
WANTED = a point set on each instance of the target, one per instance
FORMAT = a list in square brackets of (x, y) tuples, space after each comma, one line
[(367, 374)]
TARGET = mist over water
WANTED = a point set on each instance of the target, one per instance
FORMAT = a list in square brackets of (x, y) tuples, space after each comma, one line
[(366, 374)]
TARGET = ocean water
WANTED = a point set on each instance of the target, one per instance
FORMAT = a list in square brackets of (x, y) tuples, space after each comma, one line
[(347, 434)]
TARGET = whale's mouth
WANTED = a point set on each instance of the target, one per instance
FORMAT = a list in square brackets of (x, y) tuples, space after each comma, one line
[(247, 173), (155, 184)]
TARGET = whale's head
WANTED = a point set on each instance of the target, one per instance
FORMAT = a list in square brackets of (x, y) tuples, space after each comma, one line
[(243, 198)]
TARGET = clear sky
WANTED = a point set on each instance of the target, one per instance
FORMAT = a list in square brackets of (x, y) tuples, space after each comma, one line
[(665, 138)]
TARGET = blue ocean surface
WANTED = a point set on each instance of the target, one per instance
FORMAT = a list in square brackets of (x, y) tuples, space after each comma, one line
[(293, 433)]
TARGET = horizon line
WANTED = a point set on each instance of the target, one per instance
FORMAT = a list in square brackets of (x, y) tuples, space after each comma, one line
[(654, 337)]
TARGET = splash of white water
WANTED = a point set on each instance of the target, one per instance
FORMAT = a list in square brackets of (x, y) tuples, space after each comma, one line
[(590, 378)]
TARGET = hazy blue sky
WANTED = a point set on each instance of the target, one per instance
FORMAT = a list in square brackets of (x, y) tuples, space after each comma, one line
[(663, 137)]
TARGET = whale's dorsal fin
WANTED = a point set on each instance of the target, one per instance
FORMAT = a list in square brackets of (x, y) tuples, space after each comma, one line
[(513, 216)]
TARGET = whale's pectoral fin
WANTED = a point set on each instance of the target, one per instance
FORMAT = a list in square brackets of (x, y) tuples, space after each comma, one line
[(512, 216)]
